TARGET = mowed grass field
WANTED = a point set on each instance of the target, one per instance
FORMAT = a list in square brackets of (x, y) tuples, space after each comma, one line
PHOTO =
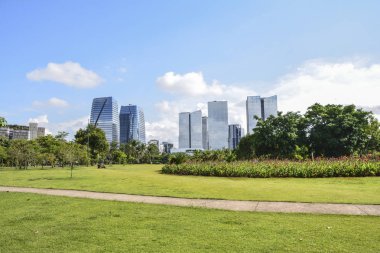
[(37, 223), (147, 180)]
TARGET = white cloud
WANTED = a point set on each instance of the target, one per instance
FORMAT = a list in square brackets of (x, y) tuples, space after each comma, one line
[(54, 102), (68, 73), (71, 126), (326, 82), (189, 84), (165, 129), (42, 119)]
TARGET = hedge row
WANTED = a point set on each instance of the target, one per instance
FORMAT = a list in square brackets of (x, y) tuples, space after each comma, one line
[(266, 169)]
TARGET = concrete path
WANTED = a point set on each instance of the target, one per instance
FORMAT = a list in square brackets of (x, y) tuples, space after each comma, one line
[(234, 205)]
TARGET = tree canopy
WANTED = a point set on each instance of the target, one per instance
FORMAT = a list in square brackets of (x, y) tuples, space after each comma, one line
[(324, 130), (96, 140)]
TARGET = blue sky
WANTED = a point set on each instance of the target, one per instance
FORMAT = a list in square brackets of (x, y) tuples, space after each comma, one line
[(169, 56)]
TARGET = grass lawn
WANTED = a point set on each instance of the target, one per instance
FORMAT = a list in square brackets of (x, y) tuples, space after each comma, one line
[(146, 180), (36, 223)]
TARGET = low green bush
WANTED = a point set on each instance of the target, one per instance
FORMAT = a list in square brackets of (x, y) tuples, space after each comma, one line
[(276, 168)]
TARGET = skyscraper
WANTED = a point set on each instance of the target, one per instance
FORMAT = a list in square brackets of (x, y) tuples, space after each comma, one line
[(33, 129), (234, 135), (218, 125), (260, 107), (204, 133), (184, 130), (196, 129), (190, 130), (132, 124), (104, 114), (269, 106)]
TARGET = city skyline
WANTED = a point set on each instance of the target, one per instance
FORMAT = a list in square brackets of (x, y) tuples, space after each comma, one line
[(167, 60)]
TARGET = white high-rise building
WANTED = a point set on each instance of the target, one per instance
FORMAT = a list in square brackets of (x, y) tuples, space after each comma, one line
[(260, 107), (218, 125)]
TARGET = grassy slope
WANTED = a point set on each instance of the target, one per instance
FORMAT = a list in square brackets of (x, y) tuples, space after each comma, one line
[(146, 180), (35, 223)]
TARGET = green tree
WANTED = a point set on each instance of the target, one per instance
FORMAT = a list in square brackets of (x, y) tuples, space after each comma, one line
[(3, 122), (135, 151), (4, 145), (337, 130), (245, 149), (62, 135), (50, 147), (3, 155), (96, 140), (22, 153), (115, 155), (152, 153), (73, 153), (280, 136)]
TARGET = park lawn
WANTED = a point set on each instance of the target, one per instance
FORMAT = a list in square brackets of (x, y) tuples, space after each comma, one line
[(147, 180), (38, 223)]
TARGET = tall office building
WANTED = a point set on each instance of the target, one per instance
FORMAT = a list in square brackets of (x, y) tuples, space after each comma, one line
[(104, 113), (190, 130), (217, 125), (184, 130), (40, 131), (260, 107), (234, 135), (196, 130), (33, 129), (132, 124), (204, 133)]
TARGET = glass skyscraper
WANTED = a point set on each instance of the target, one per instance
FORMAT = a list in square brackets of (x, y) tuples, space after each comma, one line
[(184, 130), (218, 125), (190, 130), (234, 135), (104, 112), (260, 107), (204, 133), (132, 124)]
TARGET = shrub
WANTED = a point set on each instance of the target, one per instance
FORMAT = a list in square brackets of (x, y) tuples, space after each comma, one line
[(275, 168)]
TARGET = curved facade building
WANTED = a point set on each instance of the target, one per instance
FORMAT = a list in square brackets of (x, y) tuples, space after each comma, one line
[(132, 124), (104, 112)]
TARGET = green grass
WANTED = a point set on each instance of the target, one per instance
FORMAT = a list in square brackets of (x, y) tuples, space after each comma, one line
[(36, 223), (147, 180)]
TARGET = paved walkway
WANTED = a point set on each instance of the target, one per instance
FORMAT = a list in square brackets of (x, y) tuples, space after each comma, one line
[(234, 205)]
